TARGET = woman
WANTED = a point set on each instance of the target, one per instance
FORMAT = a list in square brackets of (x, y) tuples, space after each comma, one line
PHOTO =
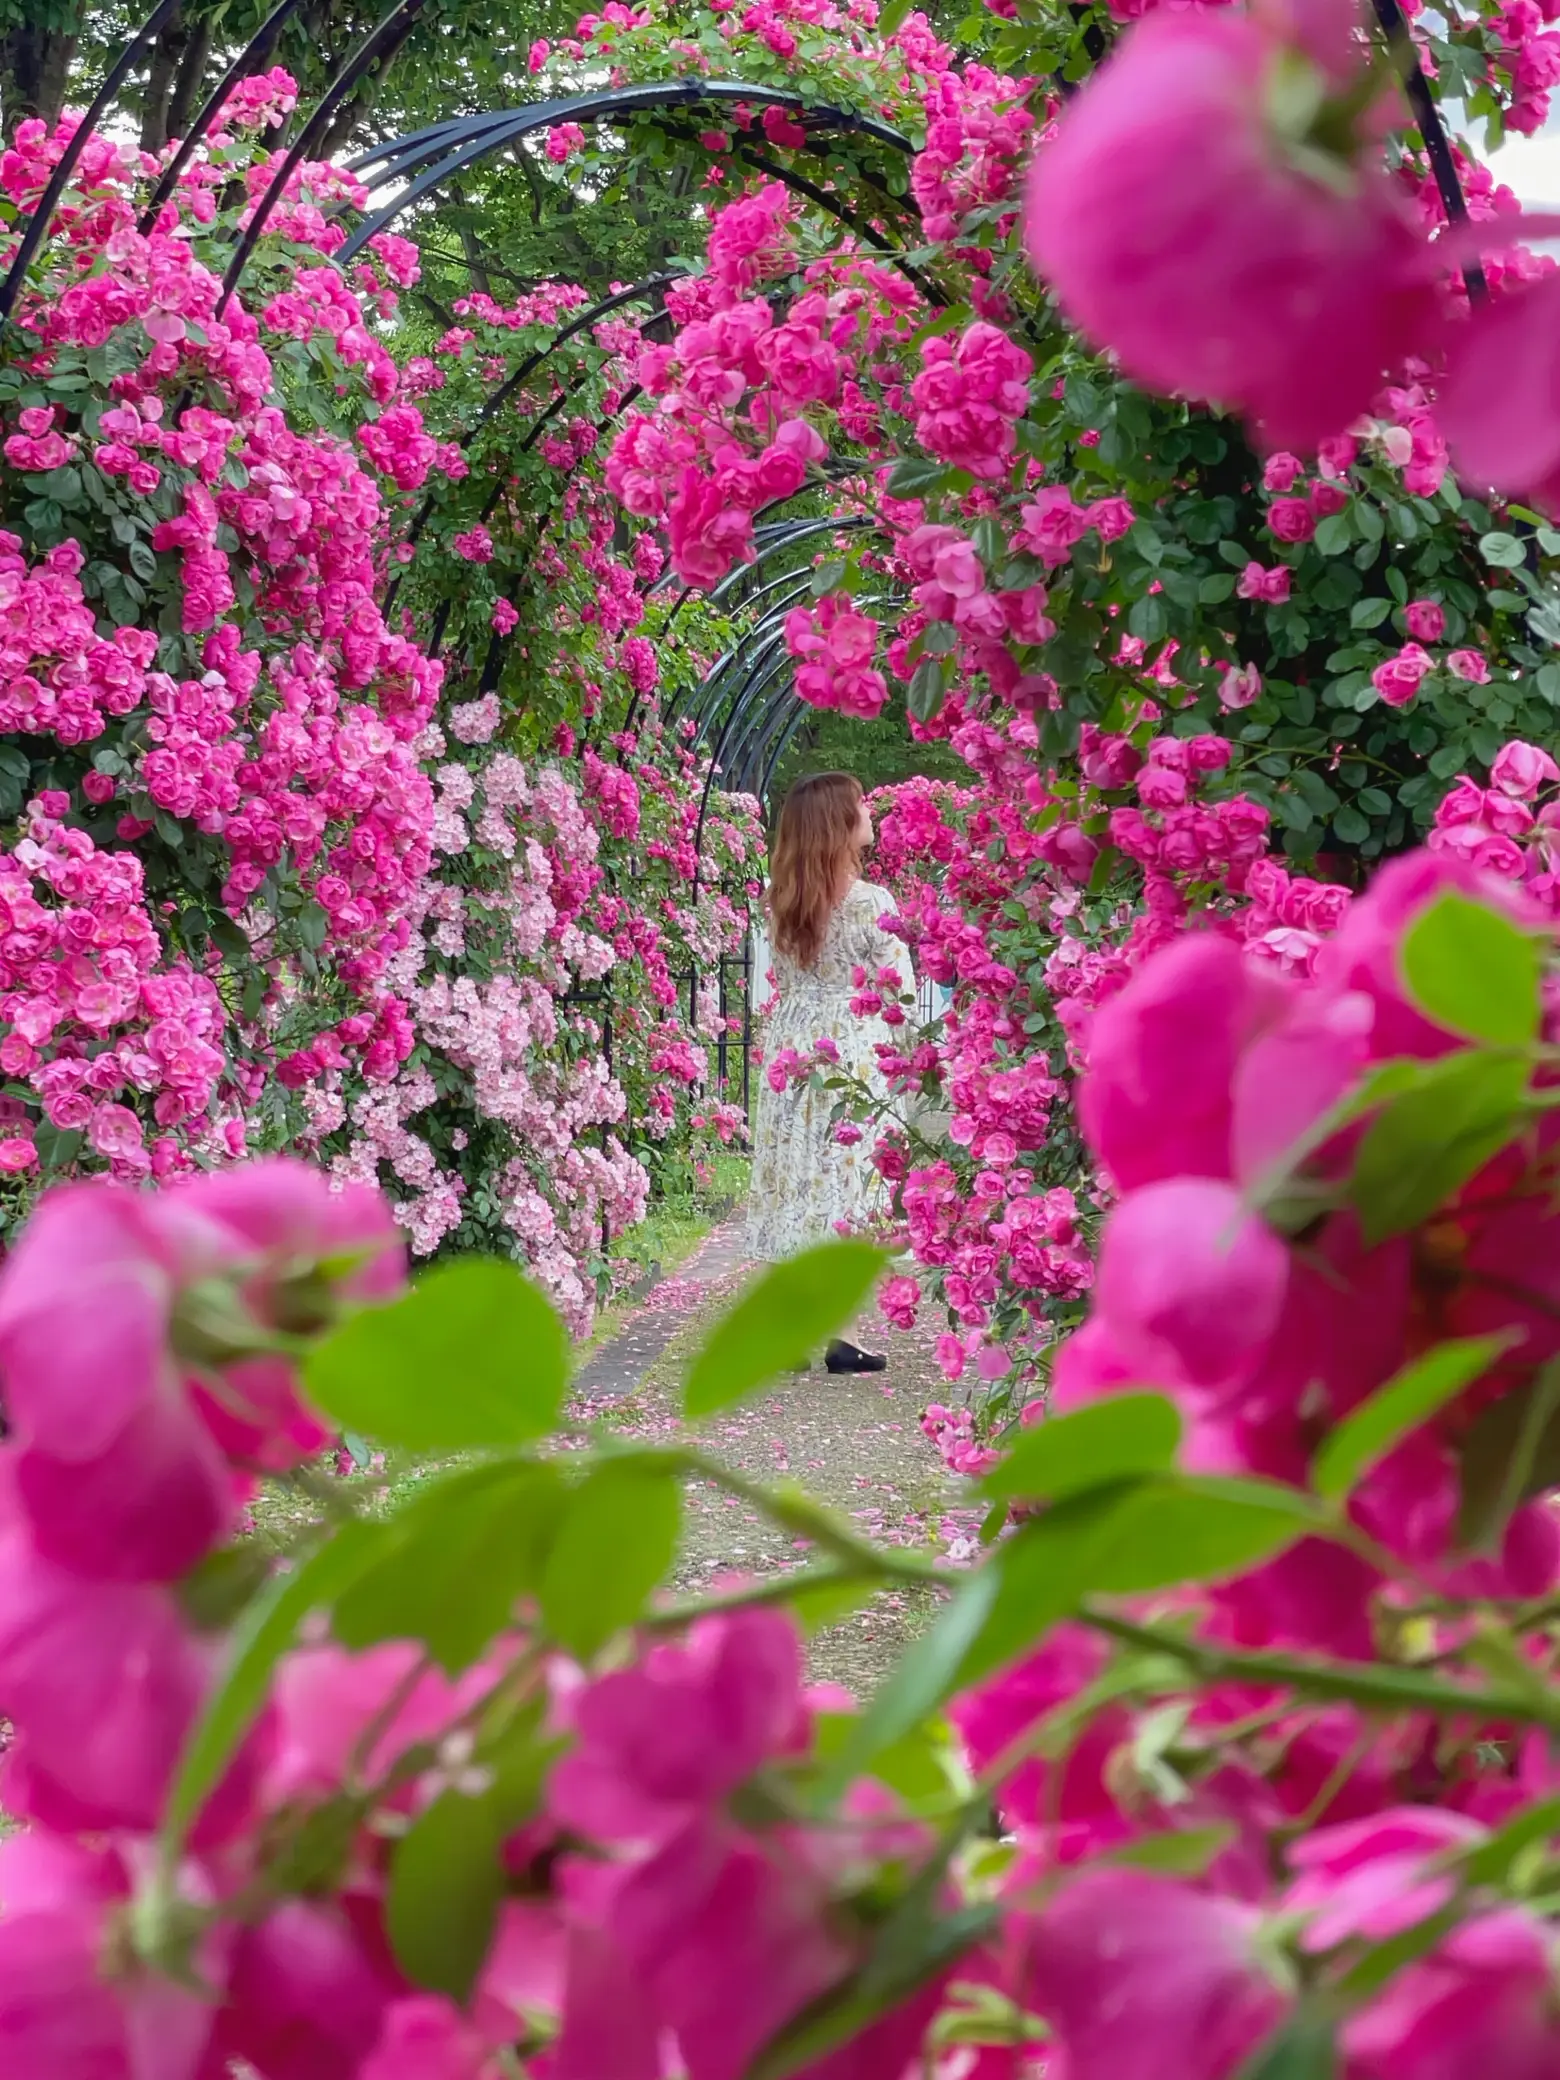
[(823, 923)]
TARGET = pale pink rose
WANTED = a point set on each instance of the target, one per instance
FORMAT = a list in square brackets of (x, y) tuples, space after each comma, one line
[(1398, 679), (1471, 666)]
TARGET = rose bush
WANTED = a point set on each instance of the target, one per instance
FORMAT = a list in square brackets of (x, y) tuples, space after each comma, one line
[(1194, 679), (241, 876)]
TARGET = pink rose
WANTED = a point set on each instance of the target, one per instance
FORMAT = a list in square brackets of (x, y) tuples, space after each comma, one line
[(1240, 686), (1426, 621), (1268, 585), (1522, 769), (1291, 520), (1471, 666), (1167, 193), (1110, 518), (1397, 680)]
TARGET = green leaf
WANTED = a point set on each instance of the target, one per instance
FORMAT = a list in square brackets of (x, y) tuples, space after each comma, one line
[(215, 1590), (64, 485), (903, 1960), (1186, 1851), (447, 1876), (57, 1146), (1305, 2048), (781, 1321), (465, 1549), (989, 541), (471, 1357), (915, 476), (1368, 1433), (827, 576), (1120, 1540), (927, 685), (1369, 613), (1121, 1435), (923, 1676), (446, 1883), (1334, 534), (1502, 550), (616, 1542), (921, 1767), (1425, 1144), (1511, 1452), (262, 1635), (1196, 1528), (1473, 971), (1490, 1862)]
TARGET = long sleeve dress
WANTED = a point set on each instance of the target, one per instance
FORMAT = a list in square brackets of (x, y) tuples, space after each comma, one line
[(804, 1182)]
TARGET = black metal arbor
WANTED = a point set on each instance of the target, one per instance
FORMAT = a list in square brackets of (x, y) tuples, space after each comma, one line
[(745, 710)]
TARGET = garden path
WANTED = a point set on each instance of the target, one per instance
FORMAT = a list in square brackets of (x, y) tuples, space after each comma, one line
[(854, 1442)]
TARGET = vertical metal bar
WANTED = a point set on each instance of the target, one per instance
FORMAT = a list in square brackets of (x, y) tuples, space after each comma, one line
[(1427, 118), (720, 1039), (747, 1024)]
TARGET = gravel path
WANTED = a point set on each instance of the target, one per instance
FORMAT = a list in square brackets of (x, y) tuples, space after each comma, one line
[(852, 1441)]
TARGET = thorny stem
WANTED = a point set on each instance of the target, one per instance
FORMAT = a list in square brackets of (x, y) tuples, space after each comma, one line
[(1362, 1684)]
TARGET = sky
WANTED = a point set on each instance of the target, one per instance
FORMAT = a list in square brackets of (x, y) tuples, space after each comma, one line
[(1531, 166)]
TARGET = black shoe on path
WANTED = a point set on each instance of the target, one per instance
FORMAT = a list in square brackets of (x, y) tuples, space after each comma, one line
[(844, 1357)]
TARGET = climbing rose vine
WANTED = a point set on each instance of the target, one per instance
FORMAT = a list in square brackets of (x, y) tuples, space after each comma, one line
[(258, 823)]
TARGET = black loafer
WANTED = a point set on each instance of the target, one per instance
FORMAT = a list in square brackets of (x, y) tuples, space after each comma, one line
[(844, 1357)]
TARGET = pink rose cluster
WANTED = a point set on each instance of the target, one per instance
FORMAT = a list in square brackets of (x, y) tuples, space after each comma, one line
[(1205, 1072), (730, 432), (969, 395), (1504, 828), (95, 1013), (834, 644), (279, 735)]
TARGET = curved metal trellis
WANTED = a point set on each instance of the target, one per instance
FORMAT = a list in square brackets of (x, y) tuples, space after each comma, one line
[(757, 719)]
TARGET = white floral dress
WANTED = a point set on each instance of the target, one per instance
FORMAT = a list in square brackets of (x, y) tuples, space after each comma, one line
[(804, 1182)]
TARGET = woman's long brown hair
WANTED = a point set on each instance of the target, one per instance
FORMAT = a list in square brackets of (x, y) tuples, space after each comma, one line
[(812, 860)]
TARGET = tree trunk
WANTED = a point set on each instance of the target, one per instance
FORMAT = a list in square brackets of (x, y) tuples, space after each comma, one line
[(470, 244), (34, 66), (188, 89), (359, 105), (167, 53)]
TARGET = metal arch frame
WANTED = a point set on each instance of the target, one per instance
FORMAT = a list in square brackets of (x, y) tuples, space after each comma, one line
[(356, 66), (446, 148), (249, 59), (418, 146), (442, 149), (781, 745), (581, 323)]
